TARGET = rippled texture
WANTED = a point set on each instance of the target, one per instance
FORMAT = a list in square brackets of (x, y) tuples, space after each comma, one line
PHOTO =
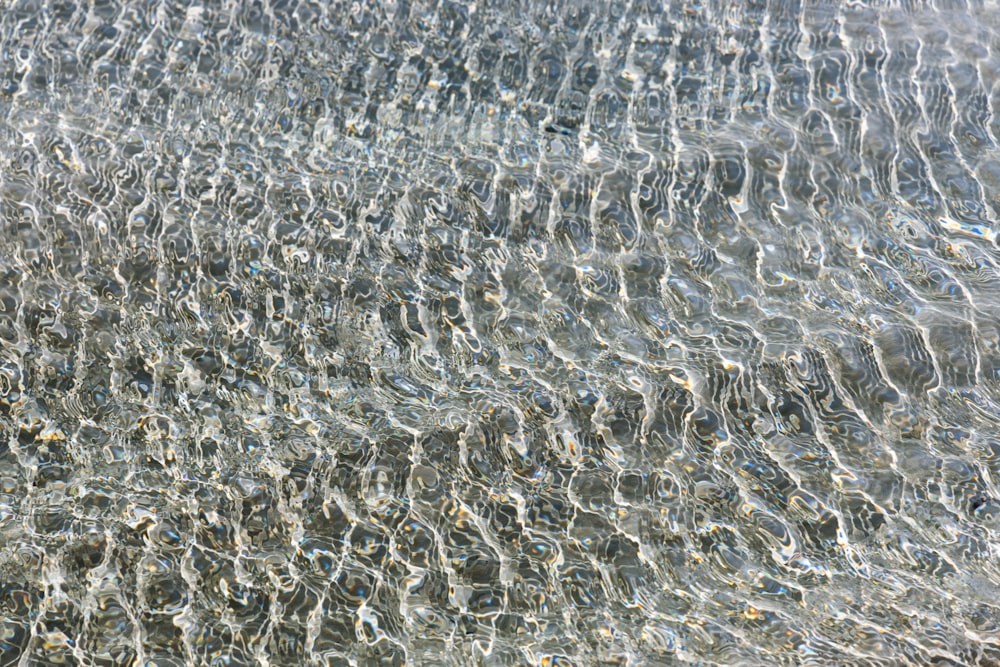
[(501, 333)]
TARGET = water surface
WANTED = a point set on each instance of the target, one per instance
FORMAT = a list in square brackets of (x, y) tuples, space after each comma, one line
[(499, 333)]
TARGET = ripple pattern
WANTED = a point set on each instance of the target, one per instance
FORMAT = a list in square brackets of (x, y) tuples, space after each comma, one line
[(446, 333)]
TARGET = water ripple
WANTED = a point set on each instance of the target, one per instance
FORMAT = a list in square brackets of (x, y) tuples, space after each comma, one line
[(545, 333)]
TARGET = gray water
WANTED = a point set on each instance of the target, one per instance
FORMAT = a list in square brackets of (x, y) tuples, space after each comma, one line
[(507, 333)]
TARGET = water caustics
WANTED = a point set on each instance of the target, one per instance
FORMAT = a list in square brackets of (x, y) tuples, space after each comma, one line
[(499, 333)]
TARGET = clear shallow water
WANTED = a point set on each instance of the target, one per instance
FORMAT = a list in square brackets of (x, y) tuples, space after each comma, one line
[(501, 334)]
